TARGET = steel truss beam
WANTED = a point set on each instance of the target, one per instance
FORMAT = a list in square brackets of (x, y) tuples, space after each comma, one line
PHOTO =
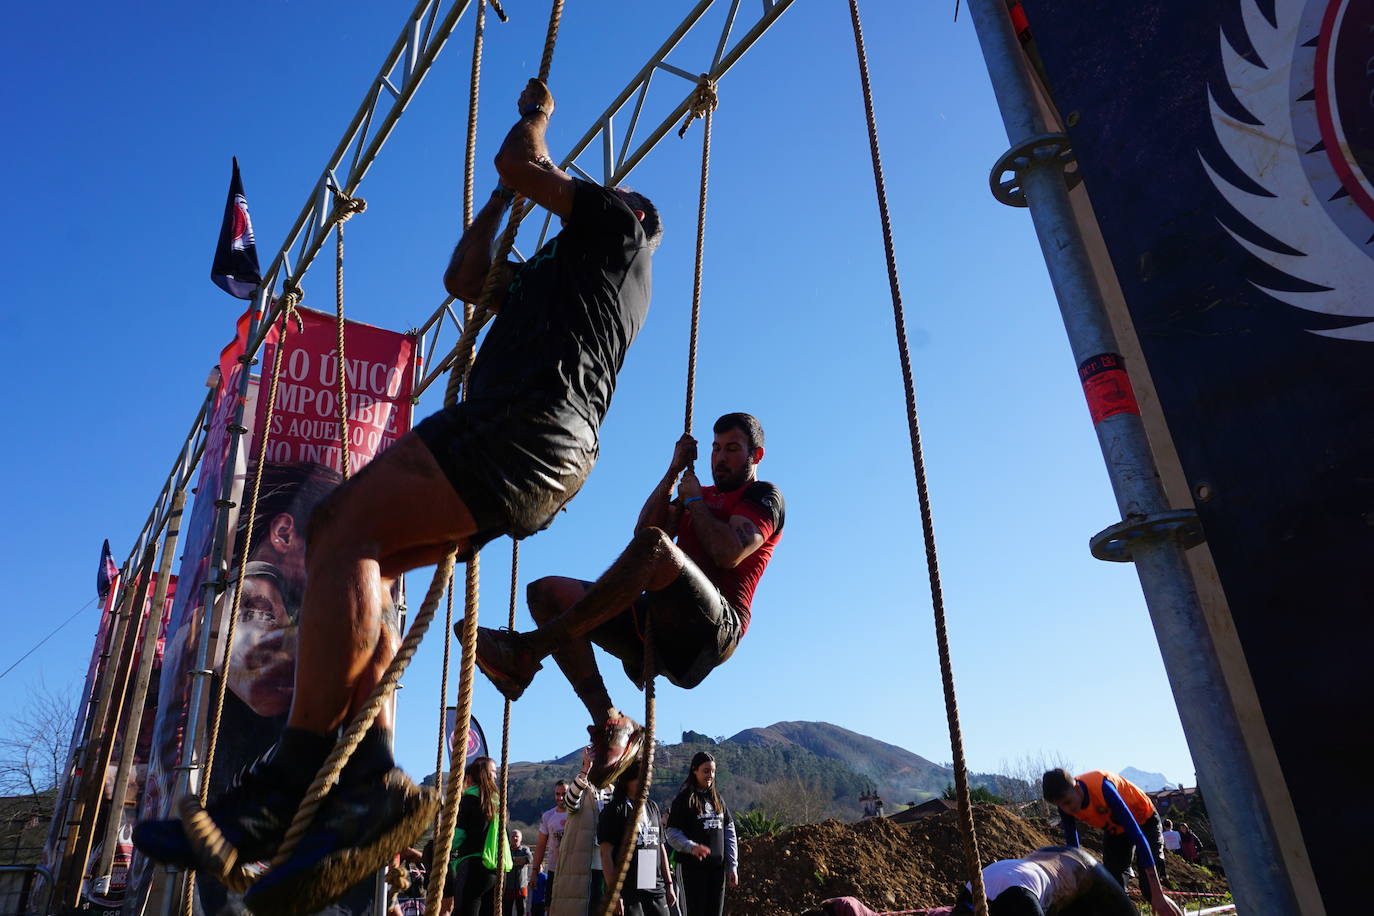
[(424, 35), (619, 159), (426, 31)]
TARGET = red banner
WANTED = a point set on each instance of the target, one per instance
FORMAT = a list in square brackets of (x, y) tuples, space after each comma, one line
[(305, 422), (302, 465)]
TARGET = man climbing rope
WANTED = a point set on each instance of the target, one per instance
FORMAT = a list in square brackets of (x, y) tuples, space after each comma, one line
[(1128, 819), (503, 461), (693, 595)]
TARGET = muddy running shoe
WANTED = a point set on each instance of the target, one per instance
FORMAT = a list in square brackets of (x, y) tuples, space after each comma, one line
[(356, 832), (505, 662), (253, 814), (616, 744)]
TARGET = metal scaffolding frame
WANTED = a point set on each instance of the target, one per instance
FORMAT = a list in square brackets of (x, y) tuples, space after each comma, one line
[(426, 31), (617, 162), (95, 724)]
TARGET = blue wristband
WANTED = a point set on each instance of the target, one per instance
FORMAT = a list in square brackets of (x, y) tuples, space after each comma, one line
[(693, 499)]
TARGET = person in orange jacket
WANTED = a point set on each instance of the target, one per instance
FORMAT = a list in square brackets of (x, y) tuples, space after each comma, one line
[(1130, 825)]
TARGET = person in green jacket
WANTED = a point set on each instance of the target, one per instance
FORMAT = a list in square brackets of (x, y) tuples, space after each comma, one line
[(469, 889)]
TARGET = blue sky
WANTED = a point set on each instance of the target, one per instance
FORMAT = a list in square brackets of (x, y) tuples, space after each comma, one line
[(123, 119)]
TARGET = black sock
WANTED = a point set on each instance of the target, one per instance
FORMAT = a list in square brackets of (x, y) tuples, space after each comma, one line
[(372, 756), (299, 754)]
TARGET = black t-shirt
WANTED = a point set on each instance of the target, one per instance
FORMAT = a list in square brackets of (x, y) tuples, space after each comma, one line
[(569, 315), (706, 828), (473, 821), (610, 829)]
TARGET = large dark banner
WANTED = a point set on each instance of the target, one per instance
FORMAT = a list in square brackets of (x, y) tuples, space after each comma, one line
[(1227, 148)]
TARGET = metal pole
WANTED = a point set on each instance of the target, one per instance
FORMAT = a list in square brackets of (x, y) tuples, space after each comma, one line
[(1151, 535), (214, 586), (96, 703), (102, 736), (146, 651)]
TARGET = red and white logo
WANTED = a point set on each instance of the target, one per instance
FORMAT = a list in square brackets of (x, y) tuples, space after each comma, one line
[(243, 226), (1303, 145)]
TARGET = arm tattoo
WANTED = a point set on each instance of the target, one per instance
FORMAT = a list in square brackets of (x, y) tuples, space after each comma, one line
[(745, 530)]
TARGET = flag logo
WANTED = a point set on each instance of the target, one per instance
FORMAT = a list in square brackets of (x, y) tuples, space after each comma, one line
[(1303, 91), (243, 226), (235, 268)]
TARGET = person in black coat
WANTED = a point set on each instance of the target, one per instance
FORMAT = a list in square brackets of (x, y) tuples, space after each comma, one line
[(701, 829)]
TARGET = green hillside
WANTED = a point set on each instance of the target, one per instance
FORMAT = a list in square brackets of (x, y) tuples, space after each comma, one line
[(801, 772)]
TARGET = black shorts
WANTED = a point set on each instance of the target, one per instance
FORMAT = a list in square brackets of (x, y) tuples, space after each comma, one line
[(514, 466), (695, 630)]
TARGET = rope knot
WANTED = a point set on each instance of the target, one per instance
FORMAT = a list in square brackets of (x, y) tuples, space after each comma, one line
[(704, 101), (290, 298), (345, 207)]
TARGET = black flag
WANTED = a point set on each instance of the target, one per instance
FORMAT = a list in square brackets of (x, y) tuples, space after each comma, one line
[(236, 256), (107, 573)]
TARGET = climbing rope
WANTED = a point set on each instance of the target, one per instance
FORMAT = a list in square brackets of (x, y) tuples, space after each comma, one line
[(345, 208), (505, 718), (474, 83), (469, 166), (628, 838), (462, 358), (966, 827), (703, 104), (453, 790), (443, 691)]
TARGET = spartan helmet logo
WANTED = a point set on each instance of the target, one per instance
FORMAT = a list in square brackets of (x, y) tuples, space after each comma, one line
[(243, 226), (1303, 142)]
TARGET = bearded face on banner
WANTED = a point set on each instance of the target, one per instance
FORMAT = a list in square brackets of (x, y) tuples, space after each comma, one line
[(262, 664)]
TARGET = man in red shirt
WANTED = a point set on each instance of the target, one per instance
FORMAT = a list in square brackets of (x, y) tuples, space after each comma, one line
[(694, 595)]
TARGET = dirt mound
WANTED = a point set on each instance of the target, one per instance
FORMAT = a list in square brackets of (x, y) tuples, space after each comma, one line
[(890, 867)]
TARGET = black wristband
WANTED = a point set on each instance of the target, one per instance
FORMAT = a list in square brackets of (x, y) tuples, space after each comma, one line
[(531, 109), (506, 194)]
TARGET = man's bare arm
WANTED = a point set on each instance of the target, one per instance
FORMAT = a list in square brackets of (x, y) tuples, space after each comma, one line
[(726, 542), (539, 852), (658, 510), (523, 161), (467, 269)]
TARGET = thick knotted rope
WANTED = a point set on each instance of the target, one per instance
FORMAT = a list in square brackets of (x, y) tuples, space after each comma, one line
[(966, 828), (453, 788), (345, 208), (646, 778), (703, 102), (703, 105), (469, 169), (505, 717), (461, 359)]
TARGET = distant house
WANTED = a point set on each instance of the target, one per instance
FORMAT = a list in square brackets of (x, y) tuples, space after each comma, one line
[(924, 809), (1172, 802)]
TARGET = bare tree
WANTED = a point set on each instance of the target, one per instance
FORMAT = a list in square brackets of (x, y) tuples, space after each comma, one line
[(34, 742), (1025, 772), (795, 801)]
